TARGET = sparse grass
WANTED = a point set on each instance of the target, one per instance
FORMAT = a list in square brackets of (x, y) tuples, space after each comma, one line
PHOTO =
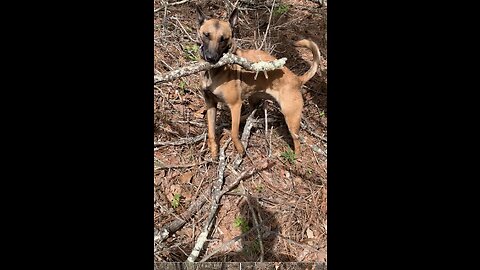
[(182, 85), (289, 156), (241, 222), (281, 9), (176, 200), (191, 52)]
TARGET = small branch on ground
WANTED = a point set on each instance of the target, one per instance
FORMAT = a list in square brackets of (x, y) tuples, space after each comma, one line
[(245, 135), (246, 174), (176, 166), (185, 31), (268, 26), (175, 225), (182, 141), (233, 240), (217, 195), (305, 125), (227, 58), (313, 248)]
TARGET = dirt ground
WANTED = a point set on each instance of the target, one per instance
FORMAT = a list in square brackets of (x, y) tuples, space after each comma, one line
[(289, 198)]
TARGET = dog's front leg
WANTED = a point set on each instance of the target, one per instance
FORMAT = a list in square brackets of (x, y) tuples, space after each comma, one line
[(211, 115), (235, 110)]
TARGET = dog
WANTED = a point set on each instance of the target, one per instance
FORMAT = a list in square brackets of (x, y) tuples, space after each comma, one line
[(231, 85)]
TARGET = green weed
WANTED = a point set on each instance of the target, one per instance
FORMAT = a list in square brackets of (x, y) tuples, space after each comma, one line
[(241, 222), (281, 9), (289, 156), (176, 200), (191, 52)]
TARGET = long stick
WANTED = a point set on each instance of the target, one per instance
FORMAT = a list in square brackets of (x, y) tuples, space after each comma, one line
[(226, 59)]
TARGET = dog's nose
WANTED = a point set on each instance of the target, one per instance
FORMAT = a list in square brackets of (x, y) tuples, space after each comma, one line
[(210, 58)]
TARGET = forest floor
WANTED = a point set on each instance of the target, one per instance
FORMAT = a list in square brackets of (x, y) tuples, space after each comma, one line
[(289, 197)]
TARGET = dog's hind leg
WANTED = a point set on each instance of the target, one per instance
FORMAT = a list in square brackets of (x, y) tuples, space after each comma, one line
[(292, 111)]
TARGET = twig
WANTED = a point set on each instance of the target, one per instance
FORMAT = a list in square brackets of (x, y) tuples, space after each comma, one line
[(182, 165), (305, 125), (245, 136), (217, 195), (314, 248), (181, 141), (233, 240), (178, 3), (227, 58), (164, 22), (181, 26), (246, 174), (268, 26), (175, 225), (270, 143)]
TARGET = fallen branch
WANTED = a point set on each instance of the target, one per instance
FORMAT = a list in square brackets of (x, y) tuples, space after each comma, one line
[(176, 166), (233, 240), (217, 187), (178, 3), (181, 141), (175, 225), (245, 136), (268, 26), (305, 125), (227, 58), (202, 238), (246, 174)]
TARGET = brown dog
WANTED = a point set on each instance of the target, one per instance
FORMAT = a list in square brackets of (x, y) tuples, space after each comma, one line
[(230, 84)]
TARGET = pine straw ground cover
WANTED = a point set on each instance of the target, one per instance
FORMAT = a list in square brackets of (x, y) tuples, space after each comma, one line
[(278, 211)]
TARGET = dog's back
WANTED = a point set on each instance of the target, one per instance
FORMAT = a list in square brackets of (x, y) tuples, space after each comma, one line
[(257, 55)]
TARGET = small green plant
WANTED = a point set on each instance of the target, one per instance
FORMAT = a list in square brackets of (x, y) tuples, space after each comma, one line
[(281, 9), (259, 188), (309, 171), (241, 222), (289, 156), (182, 85), (176, 200), (191, 52)]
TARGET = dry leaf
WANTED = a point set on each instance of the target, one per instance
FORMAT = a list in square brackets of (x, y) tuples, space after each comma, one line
[(309, 233), (174, 189), (186, 177)]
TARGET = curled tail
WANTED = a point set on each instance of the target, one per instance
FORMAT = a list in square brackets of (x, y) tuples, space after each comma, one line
[(316, 58)]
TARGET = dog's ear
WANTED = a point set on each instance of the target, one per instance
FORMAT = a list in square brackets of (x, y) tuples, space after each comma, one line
[(233, 18), (200, 16)]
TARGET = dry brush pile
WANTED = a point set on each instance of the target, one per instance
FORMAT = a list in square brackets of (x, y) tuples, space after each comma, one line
[(270, 205)]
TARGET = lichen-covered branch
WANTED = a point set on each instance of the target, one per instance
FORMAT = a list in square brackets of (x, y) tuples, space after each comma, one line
[(217, 195), (226, 59)]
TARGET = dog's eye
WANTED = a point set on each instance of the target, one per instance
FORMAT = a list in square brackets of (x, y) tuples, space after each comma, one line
[(222, 39), (206, 34)]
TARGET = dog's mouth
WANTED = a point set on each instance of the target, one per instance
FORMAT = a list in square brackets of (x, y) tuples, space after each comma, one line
[(212, 58)]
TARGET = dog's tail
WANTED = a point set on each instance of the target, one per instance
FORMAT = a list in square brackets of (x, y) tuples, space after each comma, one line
[(316, 58)]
